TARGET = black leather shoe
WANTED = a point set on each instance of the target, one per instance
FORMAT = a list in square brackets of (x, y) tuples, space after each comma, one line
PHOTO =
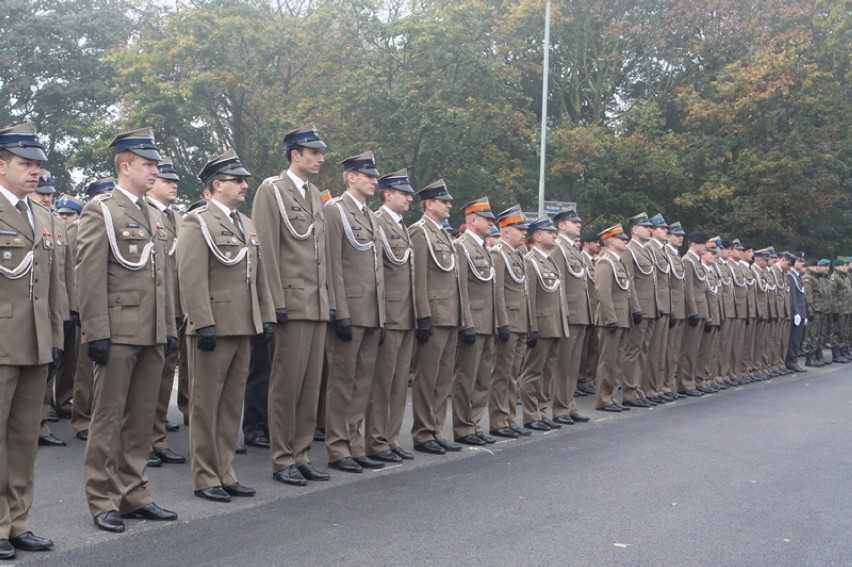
[(615, 408), (580, 418), (520, 432), (6, 550), (471, 439), (260, 441), (368, 463), (692, 393), (31, 542), (310, 473), (551, 424), (346, 464), (403, 454), (488, 440), (796, 368), (50, 441), (564, 419), (587, 389), (386, 456), (578, 393), (722, 386), (656, 399), (151, 511), (110, 522), (669, 397), (637, 403), (213, 494), (319, 434), (172, 427), (241, 449), (506, 432), (290, 475), (154, 460), (679, 395), (454, 447), (537, 426), (83, 435), (430, 447), (52, 417), (238, 489), (169, 456), (706, 391)]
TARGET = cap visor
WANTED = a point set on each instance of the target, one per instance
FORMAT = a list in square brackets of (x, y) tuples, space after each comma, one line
[(46, 190), (371, 171), (487, 215), (62, 210), (172, 176), (153, 155), (31, 153), (238, 172), (315, 144)]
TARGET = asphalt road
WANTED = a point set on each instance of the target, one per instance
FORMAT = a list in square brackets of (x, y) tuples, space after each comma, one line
[(759, 475)]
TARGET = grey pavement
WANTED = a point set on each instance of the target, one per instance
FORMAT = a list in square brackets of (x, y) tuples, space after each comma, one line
[(757, 475)]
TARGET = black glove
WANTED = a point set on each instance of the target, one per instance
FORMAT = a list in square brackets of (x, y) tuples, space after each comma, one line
[(637, 317), (672, 322), (98, 351), (747, 322), (532, 339), (75, 318), (382, 334), (332, 316), (468, 335), (692, 320), (708, 326), (424, 330), (57, 355), (343, 329), (170, 346), (761, 318), (268, 332), (613, 327), (835, 316), (503, 333), (206, 338), (659, 313), (280, 315)]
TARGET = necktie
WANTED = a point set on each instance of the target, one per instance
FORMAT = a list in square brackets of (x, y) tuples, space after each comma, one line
[(402, 224), (22, 208), (236, 219)]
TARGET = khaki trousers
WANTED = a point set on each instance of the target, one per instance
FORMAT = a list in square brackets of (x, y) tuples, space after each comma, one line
[(351, 366), (636, 359), (508, 357), (589, 364), (164, 397), (21, 398), (472, 381), (294, 385), (125, 401), (725, 352), (611, 345), (533, 402), (64, 380), (673, 342), (567, 371), (738, 333), (688, 369), (217, 388), (386, 407), (653, 383), (433, 381), (708, 358), (84, 379), (183, 373)]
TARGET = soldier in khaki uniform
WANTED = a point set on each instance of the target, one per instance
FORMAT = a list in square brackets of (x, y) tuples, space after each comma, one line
[(386, 408), (575, 279), (616, 304), (512, 304), (31, 331), (657, 348), (732, 294), (589, 363), (126, 303), (677, 319), (290, 220), (781, 333), (689, 370), (708, 351), (84, 371), (762, 287), (475, 353), (357, 298), (441, 312), (227, 301), (162, 195), (547, 302)]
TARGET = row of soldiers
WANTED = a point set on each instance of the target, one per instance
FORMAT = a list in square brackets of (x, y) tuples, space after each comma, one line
[(313, 311), (828, 288)]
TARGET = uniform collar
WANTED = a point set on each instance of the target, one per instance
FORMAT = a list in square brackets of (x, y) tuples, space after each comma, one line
[(300, 183), (8, 194), (396, 217), (133, 198), (222, 207)]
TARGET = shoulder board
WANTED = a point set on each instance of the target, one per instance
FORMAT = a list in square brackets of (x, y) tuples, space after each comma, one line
[(101, 197), (272, 179), (335, 199), (198, 210)]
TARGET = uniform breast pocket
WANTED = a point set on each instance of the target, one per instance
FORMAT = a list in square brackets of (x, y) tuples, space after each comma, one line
[(131, 242), (228, 245), (513, 305), (12, 251), (124, 313), (300, 220)]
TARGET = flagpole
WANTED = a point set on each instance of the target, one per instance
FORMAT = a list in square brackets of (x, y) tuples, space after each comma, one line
[(544, 92)]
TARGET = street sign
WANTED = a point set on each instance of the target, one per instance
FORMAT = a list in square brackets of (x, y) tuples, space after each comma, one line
[(553, 207)]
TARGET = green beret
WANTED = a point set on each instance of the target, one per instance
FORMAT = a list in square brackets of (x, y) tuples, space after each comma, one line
[(824, 262)]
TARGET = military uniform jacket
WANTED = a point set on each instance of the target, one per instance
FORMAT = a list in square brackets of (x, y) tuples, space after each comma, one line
[(398, 262), (547, 300), (124, 282), (713, 293), (477, 274), (761, 291), (30, 288), (589, 265), (613, 289), (782, 292), (292, 232), (71, 264), (640, 268), (751, 284), (739, 286), (64, 265), (840, 293), (220, 270), (798, 302), (511, 289), (569, 260), (437, 285), (723, 272), (676, 283), (694, 286), (662, 265), (172, 223), (356, 278)]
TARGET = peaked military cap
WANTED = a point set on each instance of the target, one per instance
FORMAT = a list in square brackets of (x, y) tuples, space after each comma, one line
[(197, 205), (615, 231), (566, 214), (726, 244), (541, 223), (66, 204), (479, 207), (737, 245), (306, 136), (639, 220), (762, 253), (140, 142), (789, 257), (22, 140), (698, 238), (513, 216), (676, 228), (589, 236), (397, 180), (166, 170), (364, 163), (101, 185), (494, 231), (227, 163), (45, 183), (436, 190), (657, 221)]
